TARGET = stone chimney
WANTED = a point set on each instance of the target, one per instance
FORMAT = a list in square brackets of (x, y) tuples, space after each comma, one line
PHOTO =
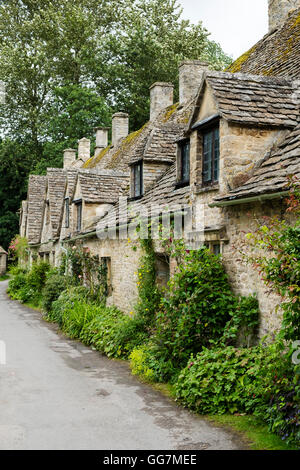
[(279, 11), (120, 127), (101, 139), (161, 96), (84, 149), (69, 157), (190, 75)]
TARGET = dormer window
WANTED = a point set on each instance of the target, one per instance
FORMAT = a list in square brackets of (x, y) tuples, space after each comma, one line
[(211, 155), (137, 170), (183, 162)]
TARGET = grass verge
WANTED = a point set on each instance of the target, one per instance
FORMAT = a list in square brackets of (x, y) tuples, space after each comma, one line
[(252, 430), (4, 277)]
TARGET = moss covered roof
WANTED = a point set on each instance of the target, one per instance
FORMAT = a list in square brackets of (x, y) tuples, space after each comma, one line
[(277, 54)]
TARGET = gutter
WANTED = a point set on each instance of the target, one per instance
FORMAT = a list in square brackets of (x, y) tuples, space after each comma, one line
[(264, 197)]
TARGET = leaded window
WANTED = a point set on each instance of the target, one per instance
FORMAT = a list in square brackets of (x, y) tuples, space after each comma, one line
[(138, 179), (185, 162), (211, 156)]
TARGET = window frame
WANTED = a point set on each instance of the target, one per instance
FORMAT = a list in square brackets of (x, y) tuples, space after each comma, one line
[(139, 165), (181, 180), (78, 212), (205, 131), (67, 210)]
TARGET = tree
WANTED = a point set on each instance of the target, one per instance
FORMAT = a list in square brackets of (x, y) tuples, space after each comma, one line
[(15, 162)]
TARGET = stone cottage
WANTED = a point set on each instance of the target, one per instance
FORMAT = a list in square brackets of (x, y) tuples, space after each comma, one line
[(3, 261), (214, 162)]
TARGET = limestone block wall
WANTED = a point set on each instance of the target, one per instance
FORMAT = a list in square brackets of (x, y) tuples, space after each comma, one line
[(244, 279), (124, 266), (240, 148), (152, 172), (3, 262)]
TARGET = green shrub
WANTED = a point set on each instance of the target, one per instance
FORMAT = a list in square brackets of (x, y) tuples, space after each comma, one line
[(102, 332), (258, 380), (36, 277), (149, 363), (54, 286), (198, 306)]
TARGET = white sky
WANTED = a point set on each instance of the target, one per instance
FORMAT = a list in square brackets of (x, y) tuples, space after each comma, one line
[(235, 24)]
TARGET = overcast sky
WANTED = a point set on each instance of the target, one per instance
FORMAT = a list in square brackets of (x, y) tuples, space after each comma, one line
[(235, 24)]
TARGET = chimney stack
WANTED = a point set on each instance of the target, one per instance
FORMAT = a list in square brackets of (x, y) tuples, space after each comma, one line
[(190, 76), (84, 149), (69, 157), (120, 127), (279, 11), (101, 139), (161, 96)]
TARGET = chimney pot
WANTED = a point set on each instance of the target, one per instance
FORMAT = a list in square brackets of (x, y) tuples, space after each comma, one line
[(190, 76), (69, 157), (161, 96), (279, 11), (120, 127), (84, 149)]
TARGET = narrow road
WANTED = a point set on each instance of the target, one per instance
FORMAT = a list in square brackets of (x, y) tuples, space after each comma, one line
[(58, 394)]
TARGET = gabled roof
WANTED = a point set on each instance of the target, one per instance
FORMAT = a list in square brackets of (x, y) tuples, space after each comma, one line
[(271, 174), (103, 187), (2, 251), (71, 181), (252, 100), (56, 190), (277, 54), (164, 195), (36, 201), (153, 142)]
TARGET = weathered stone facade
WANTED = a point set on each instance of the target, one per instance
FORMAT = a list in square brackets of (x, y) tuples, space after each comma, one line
[(3, 261), (256, 121)]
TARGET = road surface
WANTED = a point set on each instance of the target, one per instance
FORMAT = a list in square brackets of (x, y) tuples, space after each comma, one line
[(56, 393)]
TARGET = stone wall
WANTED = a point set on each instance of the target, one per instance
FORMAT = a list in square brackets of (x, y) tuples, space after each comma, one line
[(245, 280), (124, 266), (3, 262)]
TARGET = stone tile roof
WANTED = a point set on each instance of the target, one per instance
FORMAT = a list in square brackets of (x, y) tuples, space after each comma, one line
[(164, 195), (254, 100), (153, 142), (102, 187), (71, 180), (271, 174), (36, 201), (56, 178), (2, 251), (277, 54)]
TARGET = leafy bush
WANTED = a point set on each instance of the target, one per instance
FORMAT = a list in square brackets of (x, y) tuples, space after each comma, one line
[(148, 362), (66, 301), (54, 286), (27, 286), (259, 380), (198, 306)]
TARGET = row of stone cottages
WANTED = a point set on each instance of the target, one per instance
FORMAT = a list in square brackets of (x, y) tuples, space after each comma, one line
[(225, 150)]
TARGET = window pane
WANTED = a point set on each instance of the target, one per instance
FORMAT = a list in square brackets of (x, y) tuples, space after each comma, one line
[(185, 162), (216, 154), (207, 157), (217, 249), (138, 181), (79, 216)]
